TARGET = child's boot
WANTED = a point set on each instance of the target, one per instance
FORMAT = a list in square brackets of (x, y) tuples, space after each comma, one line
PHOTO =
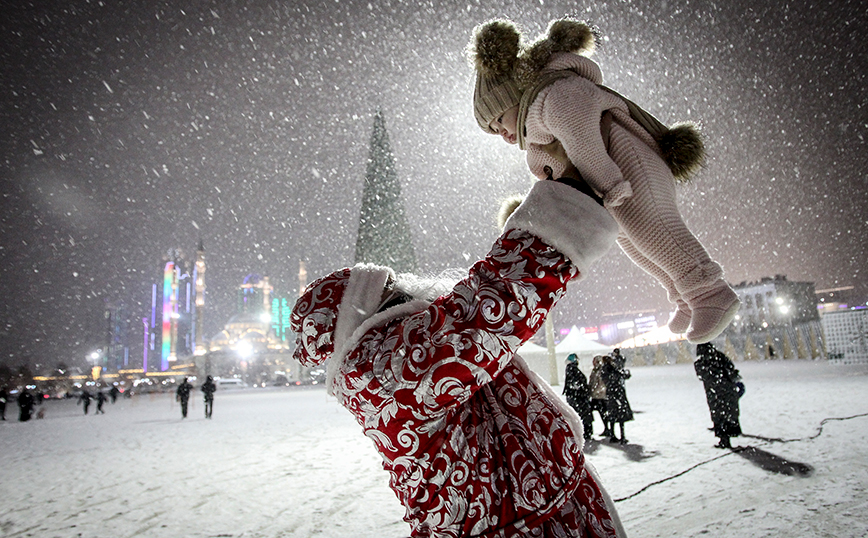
[(712, 309), (679, 321)]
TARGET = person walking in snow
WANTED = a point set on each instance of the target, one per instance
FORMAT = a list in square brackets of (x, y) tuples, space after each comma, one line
[(25, 405), (85, 399), (3, 397), (208, 390), (579, 394), (721, 381), (183, 395), (113, 393), (547, 98), (599, 401), (618, 407), (475, 444), (101, 398)]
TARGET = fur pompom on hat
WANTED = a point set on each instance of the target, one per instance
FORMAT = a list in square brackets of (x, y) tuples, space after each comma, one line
[(505, 66), (507, 208), (494, 51), (563, 35), (683, 148)]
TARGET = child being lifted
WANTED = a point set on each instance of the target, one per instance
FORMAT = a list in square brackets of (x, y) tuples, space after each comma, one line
[(547, 97)]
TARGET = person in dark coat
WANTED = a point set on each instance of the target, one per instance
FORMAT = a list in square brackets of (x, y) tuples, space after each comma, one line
[(579, 394), (84, 400), (721, 381), (183, 395), (25, 405), (208, 389), (101, 398), (3, 397), (114, 392), (618, 409)]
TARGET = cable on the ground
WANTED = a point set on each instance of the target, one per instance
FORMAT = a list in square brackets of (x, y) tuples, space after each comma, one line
[(766, 440)]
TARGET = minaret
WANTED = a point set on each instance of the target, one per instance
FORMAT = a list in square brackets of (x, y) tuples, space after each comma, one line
[(198, 313), (302, 277)]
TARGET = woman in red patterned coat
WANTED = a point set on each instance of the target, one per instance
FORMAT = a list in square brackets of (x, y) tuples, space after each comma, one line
[(475, 444)]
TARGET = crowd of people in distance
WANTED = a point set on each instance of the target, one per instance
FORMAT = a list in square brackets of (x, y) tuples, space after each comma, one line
[(27, 400), (604, 392)]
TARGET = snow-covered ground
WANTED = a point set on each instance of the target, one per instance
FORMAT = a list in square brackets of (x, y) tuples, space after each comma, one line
[(293, 463)]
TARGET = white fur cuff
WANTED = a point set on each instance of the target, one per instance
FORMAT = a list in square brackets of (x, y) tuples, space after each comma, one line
[(361, 299), (568, 220)]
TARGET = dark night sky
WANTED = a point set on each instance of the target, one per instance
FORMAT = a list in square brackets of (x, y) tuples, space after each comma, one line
[(134, 127)]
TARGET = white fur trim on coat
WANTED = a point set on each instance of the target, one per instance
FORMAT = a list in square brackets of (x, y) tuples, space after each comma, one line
[(568, 220), (360, 301)]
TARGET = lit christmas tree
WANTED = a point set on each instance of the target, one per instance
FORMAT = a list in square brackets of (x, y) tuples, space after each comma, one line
[(383, 237)]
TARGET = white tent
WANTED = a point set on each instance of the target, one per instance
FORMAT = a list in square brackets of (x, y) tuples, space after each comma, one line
[(660, 335), (574, 342), (537, 356)]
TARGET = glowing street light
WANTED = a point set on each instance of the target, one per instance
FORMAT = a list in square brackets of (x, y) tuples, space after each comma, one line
[(244, 348)]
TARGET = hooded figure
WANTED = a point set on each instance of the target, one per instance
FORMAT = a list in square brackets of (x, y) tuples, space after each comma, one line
[(599, 401), (618, 407), (475, 444), (579, 394), (547, 97), (25, 405), (721, 381), (208, 390), (183, 395)]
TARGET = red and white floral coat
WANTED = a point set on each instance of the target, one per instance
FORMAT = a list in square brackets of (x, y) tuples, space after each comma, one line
[(476, 444)]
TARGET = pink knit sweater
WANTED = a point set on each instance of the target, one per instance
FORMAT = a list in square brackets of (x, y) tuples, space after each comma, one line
[(569, 110)]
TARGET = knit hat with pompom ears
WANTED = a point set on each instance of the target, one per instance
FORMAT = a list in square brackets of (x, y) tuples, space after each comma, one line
[(505, 66), (494, 49)]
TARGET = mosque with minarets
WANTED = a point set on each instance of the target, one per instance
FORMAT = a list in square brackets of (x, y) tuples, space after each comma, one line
[(253, 344)]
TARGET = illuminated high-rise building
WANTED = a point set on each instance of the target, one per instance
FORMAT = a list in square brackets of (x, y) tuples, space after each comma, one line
[(173, 317), (116, 352)]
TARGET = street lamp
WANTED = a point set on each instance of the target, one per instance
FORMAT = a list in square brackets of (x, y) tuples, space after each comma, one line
[(96, 369)]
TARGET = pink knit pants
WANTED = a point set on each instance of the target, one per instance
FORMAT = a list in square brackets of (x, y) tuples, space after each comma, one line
[(653, 234)]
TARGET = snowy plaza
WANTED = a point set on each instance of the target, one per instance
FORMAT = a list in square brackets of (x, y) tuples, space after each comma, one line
[(293, 463)]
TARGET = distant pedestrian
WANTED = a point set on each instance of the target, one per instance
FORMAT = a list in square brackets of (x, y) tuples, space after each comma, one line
[(183, 395), (114, 392), (614, 374), (3, 397), (579, 394), (85, 399), (25, 405), (599, 402), (101, 398), (208, 389), (721, 381)]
